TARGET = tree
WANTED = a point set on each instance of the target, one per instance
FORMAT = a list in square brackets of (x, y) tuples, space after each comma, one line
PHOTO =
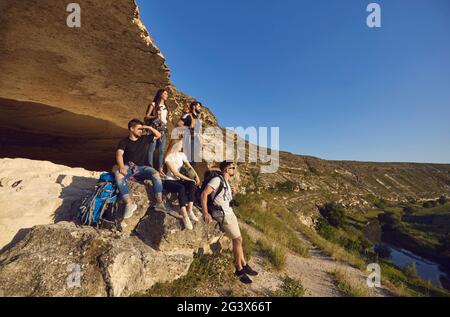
[(334, 214)]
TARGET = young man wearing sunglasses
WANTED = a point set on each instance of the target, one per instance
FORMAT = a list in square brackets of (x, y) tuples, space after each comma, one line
[(221, 210), (132, 161)]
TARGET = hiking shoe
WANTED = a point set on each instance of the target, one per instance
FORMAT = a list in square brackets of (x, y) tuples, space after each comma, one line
[(243, 277), (187, 223), (249, 271), (193, 217), (129, 211)]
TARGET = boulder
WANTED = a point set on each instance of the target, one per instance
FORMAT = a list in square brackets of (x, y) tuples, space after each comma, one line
[(66, 259), (38, 193), (47, 261)]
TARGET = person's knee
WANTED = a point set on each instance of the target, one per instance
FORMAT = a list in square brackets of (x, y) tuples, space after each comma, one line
[(157, 175)]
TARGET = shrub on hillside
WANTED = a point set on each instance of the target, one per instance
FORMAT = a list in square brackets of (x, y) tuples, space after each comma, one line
[(442, 200), (410, 270), (286, 186), (334, 214), (390, 219), (326, 230), (380, 203)]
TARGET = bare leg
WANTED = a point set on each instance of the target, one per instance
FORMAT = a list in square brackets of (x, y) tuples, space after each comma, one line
[(190, 206), (238, 253), (183, 211)]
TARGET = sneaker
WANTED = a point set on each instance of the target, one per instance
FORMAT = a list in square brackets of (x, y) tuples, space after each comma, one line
[(129, 210), (187, 223), (249, 271), (243, 277), (193, 217)]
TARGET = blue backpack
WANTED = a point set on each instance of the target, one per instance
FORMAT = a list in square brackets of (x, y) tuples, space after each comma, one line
[(103, 199)]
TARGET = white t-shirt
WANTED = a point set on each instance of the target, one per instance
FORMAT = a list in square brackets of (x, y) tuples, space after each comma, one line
[(164, 113), (176, 159), (223, 198)]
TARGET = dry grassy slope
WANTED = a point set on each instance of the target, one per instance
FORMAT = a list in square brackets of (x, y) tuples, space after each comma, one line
[(352, 183)]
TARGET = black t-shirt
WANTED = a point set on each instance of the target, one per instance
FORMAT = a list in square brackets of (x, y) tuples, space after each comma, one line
[(136, 151)]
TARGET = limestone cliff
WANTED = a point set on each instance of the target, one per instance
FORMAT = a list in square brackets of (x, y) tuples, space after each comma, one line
[(68, 93)]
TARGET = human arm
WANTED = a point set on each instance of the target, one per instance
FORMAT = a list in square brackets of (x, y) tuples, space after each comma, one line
[(150, 110), (176, 173), (155, 132), (204, 199), (119, 160), (197, 179)]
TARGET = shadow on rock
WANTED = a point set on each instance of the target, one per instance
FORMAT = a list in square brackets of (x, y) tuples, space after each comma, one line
[(20, 235), (73, 190)]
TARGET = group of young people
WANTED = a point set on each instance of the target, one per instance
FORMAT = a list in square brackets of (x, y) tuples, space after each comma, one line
[(174, 173)]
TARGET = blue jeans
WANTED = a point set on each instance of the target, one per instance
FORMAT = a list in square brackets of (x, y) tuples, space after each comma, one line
[(142, 173), (160, 144)]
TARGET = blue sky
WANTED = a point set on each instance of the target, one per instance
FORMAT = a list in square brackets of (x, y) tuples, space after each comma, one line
[(337, 89)]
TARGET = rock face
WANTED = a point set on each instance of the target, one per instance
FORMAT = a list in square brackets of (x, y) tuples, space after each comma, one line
[(68, 93), (44, 260), (108, 68), (38, 193)]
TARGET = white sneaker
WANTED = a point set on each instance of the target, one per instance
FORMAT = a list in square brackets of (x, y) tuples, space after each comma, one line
[(193, 217), (129, 210), (187, 223)]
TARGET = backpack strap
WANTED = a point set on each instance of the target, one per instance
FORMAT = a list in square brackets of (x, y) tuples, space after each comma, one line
[(220, 188)]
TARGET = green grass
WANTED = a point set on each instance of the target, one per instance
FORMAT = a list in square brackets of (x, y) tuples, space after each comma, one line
[(275, 254), (248, 244), (348, 288), (282, 226), (269, 222), (203, 270), (290, 288)]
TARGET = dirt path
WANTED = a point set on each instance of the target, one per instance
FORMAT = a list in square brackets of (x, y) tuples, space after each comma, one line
[(315, 272)]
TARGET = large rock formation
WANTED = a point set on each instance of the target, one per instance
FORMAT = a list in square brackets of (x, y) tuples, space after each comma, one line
[(47, 260), (38, 193), (68, 93), (43, 261)]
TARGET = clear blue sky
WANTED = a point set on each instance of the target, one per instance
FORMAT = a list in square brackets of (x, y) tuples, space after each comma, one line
[(337, 89)]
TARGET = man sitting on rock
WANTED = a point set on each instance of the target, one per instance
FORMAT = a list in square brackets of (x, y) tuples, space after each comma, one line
[(131, 157), (221, 210)]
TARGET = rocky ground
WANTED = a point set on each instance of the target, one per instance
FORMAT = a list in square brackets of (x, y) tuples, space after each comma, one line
[(152, 247)]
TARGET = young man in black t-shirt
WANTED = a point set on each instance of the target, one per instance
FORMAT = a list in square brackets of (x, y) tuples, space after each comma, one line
[(132, 158)]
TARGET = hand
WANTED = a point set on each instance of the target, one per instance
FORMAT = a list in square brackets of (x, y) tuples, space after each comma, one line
[(161, 172), (197, 181), (123, 170), (207, 218), (233, 188)]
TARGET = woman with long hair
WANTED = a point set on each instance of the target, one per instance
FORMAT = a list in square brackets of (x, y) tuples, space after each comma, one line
[(178, 183), (157, 116)]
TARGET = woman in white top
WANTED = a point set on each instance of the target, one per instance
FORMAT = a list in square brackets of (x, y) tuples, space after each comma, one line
[(158, 116), (180, 184)]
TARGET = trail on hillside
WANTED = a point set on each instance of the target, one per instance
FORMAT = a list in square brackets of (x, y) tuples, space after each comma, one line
[(314, 272)]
